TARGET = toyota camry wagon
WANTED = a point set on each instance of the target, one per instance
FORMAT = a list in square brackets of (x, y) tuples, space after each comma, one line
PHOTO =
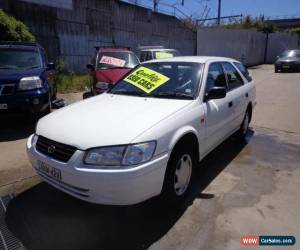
[(145, 136)]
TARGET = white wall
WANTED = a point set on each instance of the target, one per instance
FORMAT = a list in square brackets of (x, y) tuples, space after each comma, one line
[(278, 42), (244, 45)]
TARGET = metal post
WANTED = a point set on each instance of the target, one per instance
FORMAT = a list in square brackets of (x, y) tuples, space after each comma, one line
[(219, 12), (155, 5)]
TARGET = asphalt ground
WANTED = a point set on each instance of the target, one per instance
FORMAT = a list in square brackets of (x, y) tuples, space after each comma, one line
[(239, 189)]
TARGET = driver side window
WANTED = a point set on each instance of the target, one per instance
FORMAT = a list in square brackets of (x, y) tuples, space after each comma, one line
[(215, 77)]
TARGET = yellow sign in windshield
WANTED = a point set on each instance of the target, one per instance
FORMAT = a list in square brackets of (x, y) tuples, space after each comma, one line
[(146, 79), (163, 55)]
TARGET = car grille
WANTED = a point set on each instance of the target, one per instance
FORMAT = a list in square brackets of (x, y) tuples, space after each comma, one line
[(8, 89), (55, 150)]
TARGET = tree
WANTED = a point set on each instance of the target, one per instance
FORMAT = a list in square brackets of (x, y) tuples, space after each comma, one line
[(13, 30)]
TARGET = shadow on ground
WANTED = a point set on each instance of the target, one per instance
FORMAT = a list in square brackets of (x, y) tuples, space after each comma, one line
[(17, 126), (45, 218)]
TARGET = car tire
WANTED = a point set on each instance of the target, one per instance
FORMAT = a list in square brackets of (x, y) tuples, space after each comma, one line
[(276, 70), (179, 173), (242, 133), (49, 106)]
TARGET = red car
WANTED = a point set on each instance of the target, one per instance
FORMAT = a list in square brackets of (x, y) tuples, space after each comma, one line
[(109, 65)]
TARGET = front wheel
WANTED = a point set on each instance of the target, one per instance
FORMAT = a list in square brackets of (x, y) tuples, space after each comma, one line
[(244, 126), (178, 177)]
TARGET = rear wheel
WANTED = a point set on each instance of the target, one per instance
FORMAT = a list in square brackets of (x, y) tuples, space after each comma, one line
[(178, 177), (276, 70)]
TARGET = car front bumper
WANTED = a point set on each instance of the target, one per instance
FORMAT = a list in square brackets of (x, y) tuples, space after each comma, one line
[(103, 186), (287, 66), (33, 101)]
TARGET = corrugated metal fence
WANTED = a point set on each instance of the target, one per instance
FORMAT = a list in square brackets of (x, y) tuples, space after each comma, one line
[(71, 34)]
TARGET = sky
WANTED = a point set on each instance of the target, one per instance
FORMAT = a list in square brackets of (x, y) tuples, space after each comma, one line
[(255, 8)]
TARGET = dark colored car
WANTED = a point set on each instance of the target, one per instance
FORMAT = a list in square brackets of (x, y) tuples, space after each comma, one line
[(289, 60), (147, 53), (109, 65), (26, 79)]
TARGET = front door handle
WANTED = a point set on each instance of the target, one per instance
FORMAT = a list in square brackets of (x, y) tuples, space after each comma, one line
[(230, 104)]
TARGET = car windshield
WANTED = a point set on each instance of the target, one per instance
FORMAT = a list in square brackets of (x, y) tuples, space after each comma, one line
[(179, 80), (19, 59), (291, 53), (116, 59)]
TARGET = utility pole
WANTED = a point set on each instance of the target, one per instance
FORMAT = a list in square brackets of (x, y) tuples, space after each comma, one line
[(219, 12), (155, 5)]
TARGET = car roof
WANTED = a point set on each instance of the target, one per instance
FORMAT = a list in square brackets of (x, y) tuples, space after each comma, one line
[(158, 49), (195, 59), (113, 50), (19, 45)]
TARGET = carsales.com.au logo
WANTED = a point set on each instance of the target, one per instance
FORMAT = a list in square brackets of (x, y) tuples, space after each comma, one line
[(252, 240)]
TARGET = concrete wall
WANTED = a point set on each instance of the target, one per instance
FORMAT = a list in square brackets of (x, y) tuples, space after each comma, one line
[(278, 42), (246, 46), (72, 33)]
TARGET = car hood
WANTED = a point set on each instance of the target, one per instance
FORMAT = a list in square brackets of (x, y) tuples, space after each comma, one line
[(288, 59), (106, 120), (111, 75), (7, 76)]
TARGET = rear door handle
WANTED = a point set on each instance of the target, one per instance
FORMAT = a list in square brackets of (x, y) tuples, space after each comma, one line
[(246, 95), (230, 104)]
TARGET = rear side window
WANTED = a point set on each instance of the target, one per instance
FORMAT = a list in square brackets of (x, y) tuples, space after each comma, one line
[(233, 76), (215, 77), (243, 70)]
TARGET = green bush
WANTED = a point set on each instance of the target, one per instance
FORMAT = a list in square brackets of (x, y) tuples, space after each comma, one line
[(295, 30), (68, 83), (13, 30)]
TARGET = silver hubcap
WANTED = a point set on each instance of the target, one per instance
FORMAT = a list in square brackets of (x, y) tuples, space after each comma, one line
[(246, 124), (183, 174)]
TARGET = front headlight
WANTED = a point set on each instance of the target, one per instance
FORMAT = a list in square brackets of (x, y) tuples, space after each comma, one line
[(119, 156), (102, 86), (34, 139), (32, 82)]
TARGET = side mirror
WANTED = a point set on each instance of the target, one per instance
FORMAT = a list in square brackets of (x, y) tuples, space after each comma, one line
[(215, 93), (277, 57), (90, 66), (50, 66)]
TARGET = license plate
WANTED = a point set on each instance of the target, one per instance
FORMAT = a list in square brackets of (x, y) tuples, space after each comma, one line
[(3, 106), (285, 66), (48, 170)]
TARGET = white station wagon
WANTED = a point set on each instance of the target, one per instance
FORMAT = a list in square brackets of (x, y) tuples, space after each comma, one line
[(144, 137)]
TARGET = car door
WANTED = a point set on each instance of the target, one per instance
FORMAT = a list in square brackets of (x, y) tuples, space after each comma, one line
[(218, 113), (237, 93)]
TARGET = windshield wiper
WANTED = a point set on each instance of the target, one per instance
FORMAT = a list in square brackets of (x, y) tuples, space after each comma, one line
[(33, 67), (125, 92), (172, 95), (6, 68)]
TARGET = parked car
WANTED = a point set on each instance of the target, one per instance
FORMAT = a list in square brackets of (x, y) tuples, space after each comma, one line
[(288, 60), (26, 79), (147, 53), (109, 66), (152, 129)]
